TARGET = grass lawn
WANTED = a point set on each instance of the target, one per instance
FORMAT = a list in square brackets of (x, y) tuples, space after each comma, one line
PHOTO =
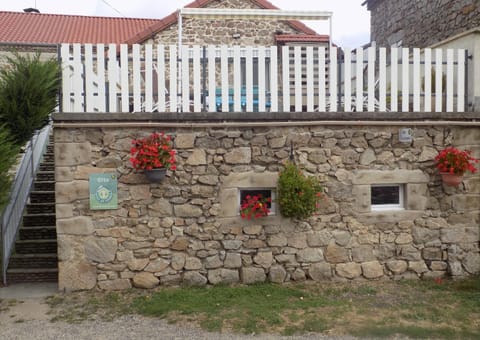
[(416, 309)]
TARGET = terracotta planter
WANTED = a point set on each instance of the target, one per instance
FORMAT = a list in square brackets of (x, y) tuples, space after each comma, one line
[(452, 180), (156, 175)]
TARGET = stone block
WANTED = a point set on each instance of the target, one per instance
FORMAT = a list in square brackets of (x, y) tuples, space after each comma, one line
[(213, 262), (277, 240), (140, 192), (69, 192), (251, 180), (208, 179), (431, 253), (80, 225), (471, 263), (230, 205), (137, 264), (403, 238), (180, 243), (299, 275), (252, 229), (363, 253), (145, 280), (408, 252), (197, 157), (63, 211), (319, 238), (178, 261), (320, 271), (264, 259), (252, 275), (416, 196), (336, 254), (297, 240), (242, 155), (418, 267), (184, 141), (372, 270), (233, 260), (101, 250), (367, 157), (362, 195), (341, 237), (116, 284), (194, 279), (438, 266), (223, 276), (349, 270), (157, 265), (277, 274), (161, 208), (69, 154), (73, 276), (232, 244), (187, 210), (464, 202), (193, 263), (63, 174), (397, 266), (309, 255), (367, 177), (254, 244), (424, 235)]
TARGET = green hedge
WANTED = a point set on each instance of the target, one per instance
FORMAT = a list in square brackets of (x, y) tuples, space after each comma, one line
[(8, 154)]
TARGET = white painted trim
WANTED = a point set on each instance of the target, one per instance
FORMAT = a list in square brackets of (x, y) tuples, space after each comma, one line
[(388, 207)]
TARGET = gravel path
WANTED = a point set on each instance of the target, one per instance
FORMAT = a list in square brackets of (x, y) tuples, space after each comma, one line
[(28, 319)]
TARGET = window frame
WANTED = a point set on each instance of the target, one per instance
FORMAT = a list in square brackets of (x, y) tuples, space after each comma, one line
[(389, 207)]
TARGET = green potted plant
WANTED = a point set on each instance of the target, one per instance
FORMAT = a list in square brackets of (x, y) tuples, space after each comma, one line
[(154, 155), (452, 164), (298, 195)]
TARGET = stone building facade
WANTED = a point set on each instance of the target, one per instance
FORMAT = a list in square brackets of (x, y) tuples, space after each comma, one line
[(187, 229), (420, 23)]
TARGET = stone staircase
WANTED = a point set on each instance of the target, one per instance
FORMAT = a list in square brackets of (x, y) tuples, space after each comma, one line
[(35, 257)]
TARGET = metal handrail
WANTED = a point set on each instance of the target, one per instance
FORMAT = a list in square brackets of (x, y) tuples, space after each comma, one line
[(20, 190)]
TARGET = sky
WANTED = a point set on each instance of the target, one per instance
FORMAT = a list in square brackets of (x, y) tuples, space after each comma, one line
[(351, 20)]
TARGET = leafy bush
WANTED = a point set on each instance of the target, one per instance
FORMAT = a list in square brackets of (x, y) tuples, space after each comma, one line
[(28, 94), (298, 195), (8, 152)]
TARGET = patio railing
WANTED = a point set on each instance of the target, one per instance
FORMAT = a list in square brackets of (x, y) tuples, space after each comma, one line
[(151, 78)]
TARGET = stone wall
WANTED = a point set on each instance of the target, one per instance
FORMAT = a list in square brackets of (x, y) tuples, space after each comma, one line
[(421, 23), (186, 230), (220, 32)]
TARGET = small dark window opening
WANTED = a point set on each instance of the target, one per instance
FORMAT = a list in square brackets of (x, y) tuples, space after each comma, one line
[(255, 192), (385, 195)]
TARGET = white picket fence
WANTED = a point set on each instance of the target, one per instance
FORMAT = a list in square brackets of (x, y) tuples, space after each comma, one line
[(153, 78)]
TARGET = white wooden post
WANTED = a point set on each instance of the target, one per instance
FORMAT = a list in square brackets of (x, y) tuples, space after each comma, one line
[(449, 80), (89, 79), (359, 82), (224, 78), (197, 90), (261, 79), (185, 79), (371, 79), (125, 91), (286, 78), (310, 84), (394, 80), (322, 84), (101, 97), (427, 90), (161, 78), (137, 101), (333, 79), (383, 80), (78, 105), (405, 80), (438, 80), (298, 77), (237, 81), (211, 79), (67, 74), (148, 78), (347, 100), (249, 78), (173, 79), (273, 79), (416, 80), (461, 81)]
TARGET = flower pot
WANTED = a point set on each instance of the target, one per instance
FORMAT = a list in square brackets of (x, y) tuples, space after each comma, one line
[(452, 180), (156, 175)]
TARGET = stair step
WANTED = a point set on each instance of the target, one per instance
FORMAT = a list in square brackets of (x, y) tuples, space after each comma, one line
[(38, 220), (45, 176), (18, 261), (32, 275), (41, 208), (42, 196), (38, 233), (47, 167), (36, 246), (44, 185)]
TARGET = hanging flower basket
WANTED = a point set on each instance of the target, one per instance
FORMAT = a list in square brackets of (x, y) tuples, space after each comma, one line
[(156, 175), (451, 180), (452, 163)]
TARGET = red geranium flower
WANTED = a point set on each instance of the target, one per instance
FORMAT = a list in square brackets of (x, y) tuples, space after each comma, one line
[(154, 151)]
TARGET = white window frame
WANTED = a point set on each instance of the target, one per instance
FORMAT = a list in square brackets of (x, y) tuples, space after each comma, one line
[(390, 207), (273, 207)]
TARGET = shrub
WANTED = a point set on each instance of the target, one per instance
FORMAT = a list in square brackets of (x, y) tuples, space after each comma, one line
[(8, 153), (28, 94), (298, 195)]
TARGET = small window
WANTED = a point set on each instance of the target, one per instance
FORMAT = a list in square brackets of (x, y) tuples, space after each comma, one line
[(387, 197), (265, 193)]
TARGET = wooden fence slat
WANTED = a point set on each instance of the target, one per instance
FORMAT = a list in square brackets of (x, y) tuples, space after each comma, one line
[(450, 80), (173, 92), (185, 79), (297, 53), (405, 79), (249, 78), (67, 74), (261, 79), (197, 87), (211, 79), (438, 80), (136, 64), (428, 81), (160, 70), (310, 84), (416, 80), (359, 81), (322, 83), (274, 79), (382, 80), (124, 69), (224, 77), (89, 79), (371, 79), (78, 90), (461, 81), (348, 80), (148, 78), (286, 78), (394, 80), (237, 81), (333, 79)]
